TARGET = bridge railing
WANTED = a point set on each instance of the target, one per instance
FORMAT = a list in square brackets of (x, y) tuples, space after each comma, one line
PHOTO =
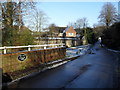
[(30, 46)]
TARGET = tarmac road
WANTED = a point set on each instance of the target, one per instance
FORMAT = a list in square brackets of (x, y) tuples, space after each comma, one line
[(95, 70)]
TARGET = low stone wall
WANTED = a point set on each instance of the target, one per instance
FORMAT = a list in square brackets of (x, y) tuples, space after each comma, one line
[(35, 60)]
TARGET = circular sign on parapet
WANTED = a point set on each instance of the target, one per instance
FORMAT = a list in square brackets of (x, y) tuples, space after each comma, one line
[(22, 57)]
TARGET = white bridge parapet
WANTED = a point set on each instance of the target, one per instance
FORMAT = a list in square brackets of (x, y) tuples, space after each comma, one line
[(30, 46)]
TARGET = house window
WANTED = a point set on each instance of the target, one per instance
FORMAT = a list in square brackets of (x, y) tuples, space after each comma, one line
[(70, 34)]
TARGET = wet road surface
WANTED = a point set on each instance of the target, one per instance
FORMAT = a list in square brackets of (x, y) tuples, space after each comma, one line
[(94, 70)]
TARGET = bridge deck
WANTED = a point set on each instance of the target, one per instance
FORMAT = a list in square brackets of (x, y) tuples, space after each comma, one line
[(90, 71)]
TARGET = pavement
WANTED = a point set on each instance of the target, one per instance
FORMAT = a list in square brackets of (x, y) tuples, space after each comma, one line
[(93, 70)]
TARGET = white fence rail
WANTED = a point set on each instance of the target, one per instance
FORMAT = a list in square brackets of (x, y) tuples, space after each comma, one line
[(30, 46)]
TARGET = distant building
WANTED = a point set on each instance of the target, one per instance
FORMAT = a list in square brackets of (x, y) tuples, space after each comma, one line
[(69, 31), (67, 35)]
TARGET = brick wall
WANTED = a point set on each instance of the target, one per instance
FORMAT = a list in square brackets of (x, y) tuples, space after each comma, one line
[(71, 30), (34, 61)]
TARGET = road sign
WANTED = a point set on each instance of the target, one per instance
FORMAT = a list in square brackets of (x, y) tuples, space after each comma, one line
[(22, 57)]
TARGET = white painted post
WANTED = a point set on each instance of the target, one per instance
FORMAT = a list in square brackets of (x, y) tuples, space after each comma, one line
[(29, 49), (5, 51), (44, 47)]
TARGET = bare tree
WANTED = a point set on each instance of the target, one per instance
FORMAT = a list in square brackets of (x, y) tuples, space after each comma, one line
[(84, 22), (39, 21), (11, 14), (24, 9), (79, 23), (1, 16), (73, 24), (108, 14)]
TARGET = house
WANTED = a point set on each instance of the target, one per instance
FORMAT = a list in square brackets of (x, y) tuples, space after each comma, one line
[(67, 35), (69, 31)]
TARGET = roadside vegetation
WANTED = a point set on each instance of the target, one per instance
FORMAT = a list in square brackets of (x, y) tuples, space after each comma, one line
[(111, 36), (12, 23), (108, 27)]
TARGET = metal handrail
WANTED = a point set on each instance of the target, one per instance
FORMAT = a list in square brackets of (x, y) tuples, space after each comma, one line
[(29, 46)]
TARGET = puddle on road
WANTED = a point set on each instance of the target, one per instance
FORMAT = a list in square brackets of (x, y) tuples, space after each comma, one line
[(85, 67), (82, 69)]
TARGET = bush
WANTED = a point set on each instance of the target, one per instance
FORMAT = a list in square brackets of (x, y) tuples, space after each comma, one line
[(17, 37), (90, 36), (111, 36)]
